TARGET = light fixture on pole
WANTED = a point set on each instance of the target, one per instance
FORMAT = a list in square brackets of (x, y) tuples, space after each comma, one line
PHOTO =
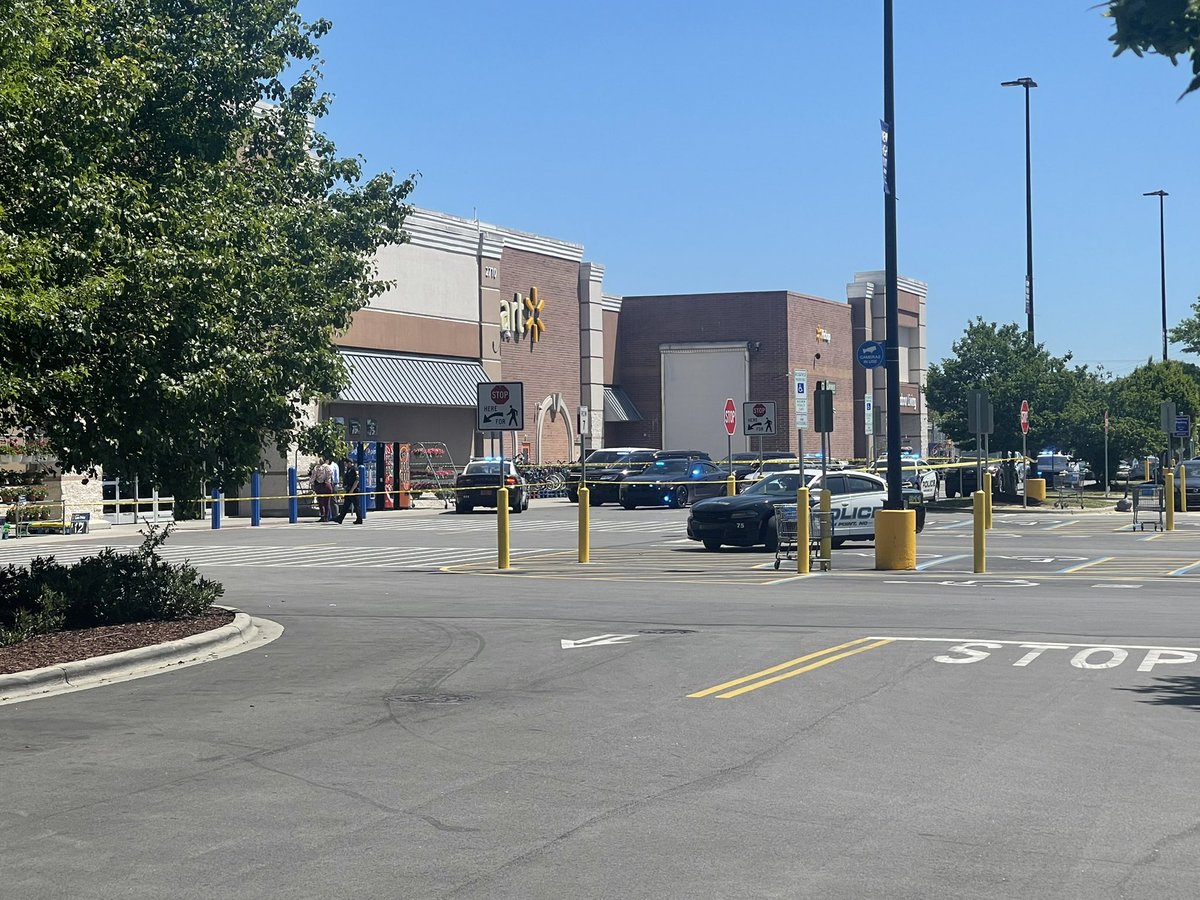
[(1027, 83), (1162, 262)]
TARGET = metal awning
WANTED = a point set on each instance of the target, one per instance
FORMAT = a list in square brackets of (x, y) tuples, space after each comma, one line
[(618, 407), (410, 380)]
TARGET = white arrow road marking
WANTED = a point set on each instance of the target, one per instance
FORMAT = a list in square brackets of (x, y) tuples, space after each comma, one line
[(1015, 582), (597, 640)]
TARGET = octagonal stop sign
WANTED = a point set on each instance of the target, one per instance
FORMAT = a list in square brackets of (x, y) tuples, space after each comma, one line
[(730, 417), (760, 410), (500, 394)]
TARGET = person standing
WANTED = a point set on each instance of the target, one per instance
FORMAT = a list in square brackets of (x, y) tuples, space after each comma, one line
[(352, 495), (335, 479), (321, 480)]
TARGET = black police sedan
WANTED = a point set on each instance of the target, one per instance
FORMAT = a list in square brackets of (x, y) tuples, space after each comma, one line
[(673, 482), (749, 518), (605, 474)]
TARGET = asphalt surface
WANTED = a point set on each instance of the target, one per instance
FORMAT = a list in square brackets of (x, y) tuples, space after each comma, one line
[(663, 722)]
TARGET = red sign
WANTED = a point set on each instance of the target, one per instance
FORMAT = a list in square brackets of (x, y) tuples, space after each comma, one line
[(760, 410), (731, 416), (499, 394), (1024, 417)]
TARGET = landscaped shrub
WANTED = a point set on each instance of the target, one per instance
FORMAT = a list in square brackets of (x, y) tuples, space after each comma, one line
[(111, 588)]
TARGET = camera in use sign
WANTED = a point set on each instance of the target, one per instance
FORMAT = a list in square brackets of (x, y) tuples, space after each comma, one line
[(758, 417), (500, 405)]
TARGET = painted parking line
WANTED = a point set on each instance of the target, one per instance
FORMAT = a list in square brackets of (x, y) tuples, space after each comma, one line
[(1069, 570), (929, 564), (1183, 570), (756, 680)]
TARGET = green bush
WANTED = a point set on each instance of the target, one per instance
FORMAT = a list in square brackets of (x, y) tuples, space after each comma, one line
[(111, 588)]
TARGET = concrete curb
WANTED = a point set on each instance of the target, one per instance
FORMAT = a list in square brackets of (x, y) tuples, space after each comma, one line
[(100, 669)]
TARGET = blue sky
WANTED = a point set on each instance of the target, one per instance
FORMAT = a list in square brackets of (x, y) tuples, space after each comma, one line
[(702, 146)]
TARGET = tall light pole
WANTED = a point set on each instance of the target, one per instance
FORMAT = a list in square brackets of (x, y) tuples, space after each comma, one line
[(895, 498), (1027, 83), (1162, 261)]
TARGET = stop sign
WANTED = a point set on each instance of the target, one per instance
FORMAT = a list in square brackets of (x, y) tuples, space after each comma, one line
[(499, 394), (760, 410), (730, 416), (1024, 417)]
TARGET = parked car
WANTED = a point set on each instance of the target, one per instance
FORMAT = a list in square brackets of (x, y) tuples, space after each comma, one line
[(773, 466), (604, 481), (672, 482), (682, 454), (914, 472), (749, 519), (1190, 470), (607, 459), (479, 481), (961, 478)]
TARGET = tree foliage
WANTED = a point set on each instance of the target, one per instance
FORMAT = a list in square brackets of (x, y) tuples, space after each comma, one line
[(1000, 360), (1067, 402), (1170, 28), (1187, 332), (179, 242)]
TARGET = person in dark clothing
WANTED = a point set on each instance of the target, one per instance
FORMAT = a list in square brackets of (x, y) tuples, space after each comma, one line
[(350, 487)]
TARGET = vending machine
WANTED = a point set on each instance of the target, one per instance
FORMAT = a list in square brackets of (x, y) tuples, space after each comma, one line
[(367, 458), (387, 478)]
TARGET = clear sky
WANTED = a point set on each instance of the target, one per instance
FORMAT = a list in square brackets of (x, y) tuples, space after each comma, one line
[(702, 146)]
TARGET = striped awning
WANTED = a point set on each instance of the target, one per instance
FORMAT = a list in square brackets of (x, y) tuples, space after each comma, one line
[(618, 407), (410, 380)]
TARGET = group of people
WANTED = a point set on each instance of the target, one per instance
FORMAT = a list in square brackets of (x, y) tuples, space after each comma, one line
[(329, 481)]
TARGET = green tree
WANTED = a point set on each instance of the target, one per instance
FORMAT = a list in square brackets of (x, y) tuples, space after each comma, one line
[(1135, 403), (1187, 332), (1000, 360), (1170, 28), (180, 242)]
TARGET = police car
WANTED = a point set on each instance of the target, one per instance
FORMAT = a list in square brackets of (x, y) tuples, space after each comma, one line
[(749, 519)]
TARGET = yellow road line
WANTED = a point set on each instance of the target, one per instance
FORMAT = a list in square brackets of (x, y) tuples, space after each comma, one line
[(801, 671), (774, 669)]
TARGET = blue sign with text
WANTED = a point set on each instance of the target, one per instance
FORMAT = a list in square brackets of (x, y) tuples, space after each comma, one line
[(870, 354)]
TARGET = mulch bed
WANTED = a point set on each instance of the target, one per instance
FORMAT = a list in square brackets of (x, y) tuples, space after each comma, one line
[(69, 646)]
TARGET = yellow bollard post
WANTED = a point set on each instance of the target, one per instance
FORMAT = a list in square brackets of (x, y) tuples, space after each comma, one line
[(1146, 467), (1169, 497), (826, 528), (803, 532), (585, 535), (502, 543), (730, 485), (977, 505), (1182, 488), (987, 500)]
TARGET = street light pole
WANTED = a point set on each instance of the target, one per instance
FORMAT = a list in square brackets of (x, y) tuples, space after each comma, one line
[(895, 498), (1027, 83), (1162, 262)]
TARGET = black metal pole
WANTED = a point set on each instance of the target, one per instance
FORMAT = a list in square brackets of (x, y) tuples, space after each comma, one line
[(1162, 261), (1162, 267), (895, 499), (1028, 224)]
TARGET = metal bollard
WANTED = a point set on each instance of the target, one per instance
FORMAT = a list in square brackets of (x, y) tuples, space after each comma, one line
[(293, 496), (803, 532), (730, 486), (1182, 488), (826, 533), (255, 498), (978, 507), (585, 535), (362, 493), (987, 500), (502, 537), (216, 507), (1169, 497)]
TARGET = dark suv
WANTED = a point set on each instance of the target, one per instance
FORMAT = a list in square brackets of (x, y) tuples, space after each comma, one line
[(606, 469)]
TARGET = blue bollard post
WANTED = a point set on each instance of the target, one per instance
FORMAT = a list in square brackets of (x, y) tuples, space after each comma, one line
[(362, 495), (216, 507), (255, 498), (293, 496)]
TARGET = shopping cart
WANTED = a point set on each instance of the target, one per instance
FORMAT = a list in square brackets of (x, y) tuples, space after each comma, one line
[(787, 522), (1148, 507)]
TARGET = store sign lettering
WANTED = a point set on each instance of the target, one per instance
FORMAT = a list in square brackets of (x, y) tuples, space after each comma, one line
[(523, 317)]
